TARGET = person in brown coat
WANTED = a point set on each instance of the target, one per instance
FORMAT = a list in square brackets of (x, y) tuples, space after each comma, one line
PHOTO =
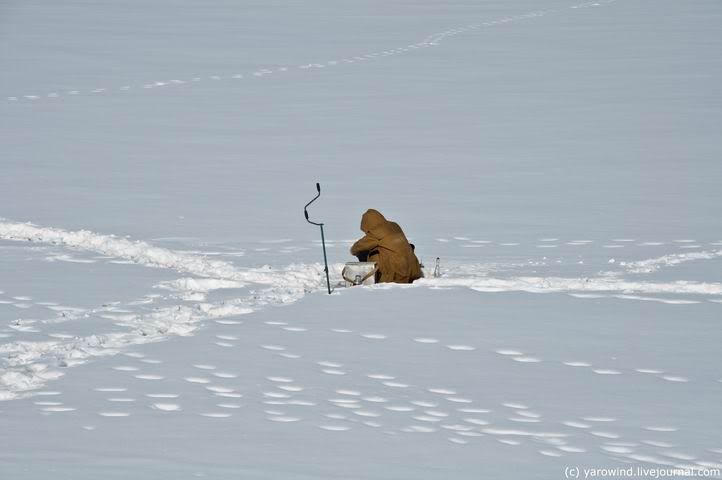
[(386, 244)]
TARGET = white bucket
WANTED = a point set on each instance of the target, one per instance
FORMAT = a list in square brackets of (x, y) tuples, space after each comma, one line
[(359, 273)]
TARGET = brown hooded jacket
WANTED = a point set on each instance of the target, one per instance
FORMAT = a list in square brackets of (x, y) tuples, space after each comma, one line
[(386, 244)]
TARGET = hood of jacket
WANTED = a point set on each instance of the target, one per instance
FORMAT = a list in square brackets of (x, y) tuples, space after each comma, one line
[(372, 220)]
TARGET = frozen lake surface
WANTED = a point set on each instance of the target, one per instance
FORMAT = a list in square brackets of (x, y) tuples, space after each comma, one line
[(162, 306)]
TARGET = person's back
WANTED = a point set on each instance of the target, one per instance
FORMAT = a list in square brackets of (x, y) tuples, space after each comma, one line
[(386, 244)]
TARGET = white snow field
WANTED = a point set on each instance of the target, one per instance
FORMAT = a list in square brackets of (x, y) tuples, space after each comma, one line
[(163, 311)]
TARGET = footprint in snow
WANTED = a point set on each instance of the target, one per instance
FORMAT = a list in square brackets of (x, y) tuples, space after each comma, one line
[(506, 351), (373, 336), (395, 384), (226, 337), (295, 329), (291, 388), (371, 424), (57, 409), (458, 399), (149, 377), (656, 443), (197, 380), (325, 363), (599, 419), (476, 421), (280, 379), (551, 453), (151, 361), (375, 399), (284, 419), (334, 428), (461, 348), (605, 434), (458, 441), (419, 429), (229, 322), (473, 410), (577, 364), (442, 391), (526, 359), (273, 348), (166, 407), (616, 449), (366, 413), (506, 441), (399, 408), (658, 428), (353, 393), (528, 414), (229, 394), (289, 355), (523, 420), (215, 415), (219, 389), (126, 368)]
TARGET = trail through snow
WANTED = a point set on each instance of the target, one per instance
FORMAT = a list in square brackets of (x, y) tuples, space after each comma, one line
[(430, 41), (30, 364)]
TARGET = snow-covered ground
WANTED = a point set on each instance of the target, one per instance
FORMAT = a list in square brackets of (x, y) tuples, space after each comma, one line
[(162, 305)]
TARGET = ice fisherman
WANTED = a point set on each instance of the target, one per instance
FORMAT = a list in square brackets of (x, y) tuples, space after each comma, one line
[(385, 243)]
